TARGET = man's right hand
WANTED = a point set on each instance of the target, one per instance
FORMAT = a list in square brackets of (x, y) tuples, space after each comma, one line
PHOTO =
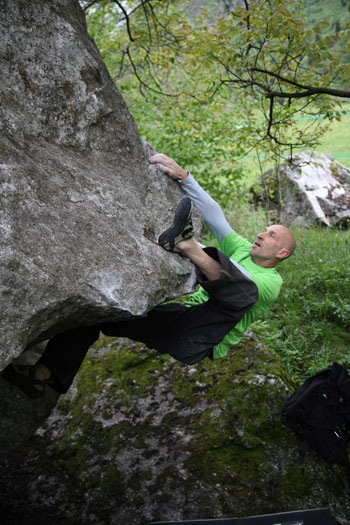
[(169, 166)]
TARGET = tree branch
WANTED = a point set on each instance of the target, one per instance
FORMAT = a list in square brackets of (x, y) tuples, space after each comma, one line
[(307, 90), (127, 20)]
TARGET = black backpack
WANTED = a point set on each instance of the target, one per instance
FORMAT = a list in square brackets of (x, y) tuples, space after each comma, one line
[(319, 412)]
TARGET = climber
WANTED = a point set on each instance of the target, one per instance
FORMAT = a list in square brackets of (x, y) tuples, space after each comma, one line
[(237, 283)]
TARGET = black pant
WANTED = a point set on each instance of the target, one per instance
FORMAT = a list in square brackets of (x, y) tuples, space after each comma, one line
[(187, 333)]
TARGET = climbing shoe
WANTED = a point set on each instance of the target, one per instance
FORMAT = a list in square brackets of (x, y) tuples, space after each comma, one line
[(181, 228), (23, 376)]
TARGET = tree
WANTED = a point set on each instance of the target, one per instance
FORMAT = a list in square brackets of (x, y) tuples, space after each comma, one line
[(244, 73)]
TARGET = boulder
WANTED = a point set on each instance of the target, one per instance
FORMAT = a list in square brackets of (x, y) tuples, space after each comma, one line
[(80, 205), (141, 438), (315, 189)]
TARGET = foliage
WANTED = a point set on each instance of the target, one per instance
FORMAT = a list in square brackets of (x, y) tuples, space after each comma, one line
[(266, 51), (211, 82), (173, 121), (335, 141), (335, 13)]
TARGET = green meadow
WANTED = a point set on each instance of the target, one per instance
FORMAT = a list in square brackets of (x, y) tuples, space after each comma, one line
[(336, 141)]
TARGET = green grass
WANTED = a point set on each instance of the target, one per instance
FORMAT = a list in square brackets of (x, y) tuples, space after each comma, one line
[(309, 325)]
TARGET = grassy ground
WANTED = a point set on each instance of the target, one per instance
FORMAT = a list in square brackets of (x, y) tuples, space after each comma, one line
[(309, 326)]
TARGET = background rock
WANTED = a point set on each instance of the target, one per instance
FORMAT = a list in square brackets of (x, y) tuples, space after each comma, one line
[(79, 201), (315, 190)]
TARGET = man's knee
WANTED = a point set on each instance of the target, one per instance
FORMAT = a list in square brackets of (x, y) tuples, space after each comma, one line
[(235, 289)]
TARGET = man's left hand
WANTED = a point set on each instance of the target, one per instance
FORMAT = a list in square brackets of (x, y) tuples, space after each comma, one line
[(169, 166)]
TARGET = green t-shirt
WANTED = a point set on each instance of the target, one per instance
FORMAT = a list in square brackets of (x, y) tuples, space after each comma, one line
[(268, 281)]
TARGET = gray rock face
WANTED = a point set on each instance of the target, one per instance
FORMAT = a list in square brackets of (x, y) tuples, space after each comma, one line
[(316, 189), (79, 201)]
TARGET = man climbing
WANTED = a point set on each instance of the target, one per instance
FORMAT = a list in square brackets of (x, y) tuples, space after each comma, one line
[(238, 283)]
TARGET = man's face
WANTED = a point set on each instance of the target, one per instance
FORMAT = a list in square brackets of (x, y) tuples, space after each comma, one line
[(270, 246)]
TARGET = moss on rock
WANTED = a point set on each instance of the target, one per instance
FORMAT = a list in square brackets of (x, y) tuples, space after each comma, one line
[(164, 441)]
